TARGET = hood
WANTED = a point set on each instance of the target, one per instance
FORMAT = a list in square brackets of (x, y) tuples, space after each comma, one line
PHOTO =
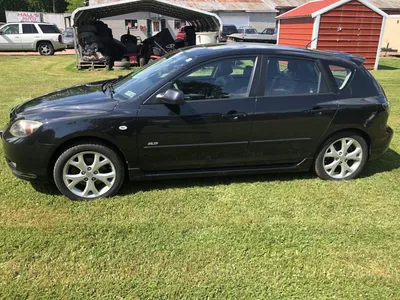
[(87, 98)]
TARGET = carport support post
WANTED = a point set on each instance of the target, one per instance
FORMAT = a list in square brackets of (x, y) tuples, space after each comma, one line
[(378, 53), (76, 46)]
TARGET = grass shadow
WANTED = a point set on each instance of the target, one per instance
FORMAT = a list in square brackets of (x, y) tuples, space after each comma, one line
[(388, 162), (385, 67), (45, 188), (145, 186)]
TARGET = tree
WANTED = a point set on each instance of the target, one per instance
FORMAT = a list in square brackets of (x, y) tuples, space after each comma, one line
[(74, 4), (11, 5), (47, 5), (32, 5)]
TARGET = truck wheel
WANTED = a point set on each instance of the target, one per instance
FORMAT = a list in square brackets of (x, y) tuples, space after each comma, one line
[(46, 48)]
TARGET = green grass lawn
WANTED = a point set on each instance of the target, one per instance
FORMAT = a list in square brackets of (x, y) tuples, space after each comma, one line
[(268, 236)]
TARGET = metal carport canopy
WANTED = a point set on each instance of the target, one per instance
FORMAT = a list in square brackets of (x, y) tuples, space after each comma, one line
[(202, 20)]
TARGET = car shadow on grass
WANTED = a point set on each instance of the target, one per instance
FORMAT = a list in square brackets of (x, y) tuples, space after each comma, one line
[(387, 68), (388, 162), (145, 186)]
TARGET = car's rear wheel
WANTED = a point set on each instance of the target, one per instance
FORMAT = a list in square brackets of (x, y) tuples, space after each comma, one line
[(46, 49), (343, 156), (88, 171)]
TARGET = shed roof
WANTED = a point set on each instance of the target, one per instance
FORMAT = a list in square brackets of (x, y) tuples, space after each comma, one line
[(221, 5), (382, 4), (202, 20), (316, 8), (230, 5)]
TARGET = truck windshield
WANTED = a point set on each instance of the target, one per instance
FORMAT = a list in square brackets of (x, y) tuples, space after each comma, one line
[(251, 31), (138, 82)]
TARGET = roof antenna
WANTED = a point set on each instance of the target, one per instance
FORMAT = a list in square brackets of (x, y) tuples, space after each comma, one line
[(308, 44)]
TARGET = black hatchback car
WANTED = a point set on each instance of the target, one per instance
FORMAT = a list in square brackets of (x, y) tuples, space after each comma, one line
[(215, 110)]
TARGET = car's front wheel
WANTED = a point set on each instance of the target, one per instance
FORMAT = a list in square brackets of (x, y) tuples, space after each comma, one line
[(343, 156), (88, 171)]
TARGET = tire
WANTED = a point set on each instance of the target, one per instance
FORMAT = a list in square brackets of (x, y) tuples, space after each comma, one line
[(142, 62), (124, 64), (87, 28), (85, 35), (77, 166), (343, 156), (120, 68), (46, 49)]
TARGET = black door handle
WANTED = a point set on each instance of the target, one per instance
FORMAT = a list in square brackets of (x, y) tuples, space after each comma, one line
[(318, 110), (233, 115)]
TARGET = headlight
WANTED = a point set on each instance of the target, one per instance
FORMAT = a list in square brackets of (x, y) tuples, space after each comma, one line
[(23, 128)]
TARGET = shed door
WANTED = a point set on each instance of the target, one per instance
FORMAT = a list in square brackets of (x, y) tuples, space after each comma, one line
[(353, 28), (235, 19)]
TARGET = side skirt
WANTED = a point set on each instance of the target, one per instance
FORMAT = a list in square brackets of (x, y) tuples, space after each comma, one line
[(303, 166)]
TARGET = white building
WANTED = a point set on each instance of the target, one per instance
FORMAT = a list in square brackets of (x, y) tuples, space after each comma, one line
[(256, 13)]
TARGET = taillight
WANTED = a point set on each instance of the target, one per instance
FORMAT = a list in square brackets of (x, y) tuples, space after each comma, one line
[(60, 38)]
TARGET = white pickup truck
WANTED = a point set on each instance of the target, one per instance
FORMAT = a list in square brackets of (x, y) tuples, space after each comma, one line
[(27, 37), (249, 34)]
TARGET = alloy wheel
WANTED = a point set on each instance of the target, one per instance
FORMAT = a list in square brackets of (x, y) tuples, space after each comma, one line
[(89, 174), (342, 158), (45, 49)]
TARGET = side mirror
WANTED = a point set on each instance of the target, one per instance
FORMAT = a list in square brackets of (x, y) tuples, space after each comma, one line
[(1, 32), (172, 96)]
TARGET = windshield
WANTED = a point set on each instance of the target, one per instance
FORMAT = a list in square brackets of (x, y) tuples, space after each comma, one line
[(269, 31), (138, 82), (251, 31)]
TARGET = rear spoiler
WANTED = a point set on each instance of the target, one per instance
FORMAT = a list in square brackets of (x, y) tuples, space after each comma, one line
[(358, 60)]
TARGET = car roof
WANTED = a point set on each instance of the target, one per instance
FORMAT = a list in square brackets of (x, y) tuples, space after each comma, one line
[(39, 23), (214, 50)]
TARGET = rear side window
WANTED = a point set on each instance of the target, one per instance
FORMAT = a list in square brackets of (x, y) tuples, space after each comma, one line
[(290, 76), (49, 29), (29, 28), (341, 75)]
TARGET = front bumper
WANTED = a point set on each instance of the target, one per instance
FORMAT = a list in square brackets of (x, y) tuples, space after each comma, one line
[(27, 159), (381, 145)]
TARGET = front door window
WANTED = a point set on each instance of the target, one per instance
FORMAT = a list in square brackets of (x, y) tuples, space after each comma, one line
[(223, 79), (11, 29)]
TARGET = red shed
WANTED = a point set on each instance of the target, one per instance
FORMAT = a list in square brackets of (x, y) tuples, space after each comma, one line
[(353, 26)]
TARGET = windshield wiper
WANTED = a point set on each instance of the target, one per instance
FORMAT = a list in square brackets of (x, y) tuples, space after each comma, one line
[(109, 85), (111, 82)]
